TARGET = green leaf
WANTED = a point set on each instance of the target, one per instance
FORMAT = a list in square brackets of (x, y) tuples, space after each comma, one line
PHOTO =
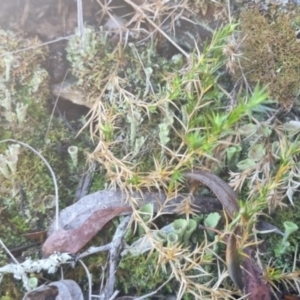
[(179, 227), (246, 164), (212, 220), (172, 239), (33, 282), (257, 152), (247, 129), (232, 152)]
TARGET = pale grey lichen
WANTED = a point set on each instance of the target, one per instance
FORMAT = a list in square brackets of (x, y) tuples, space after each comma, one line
[(22, 79), (21, 271), (38, 77), (129, 82)]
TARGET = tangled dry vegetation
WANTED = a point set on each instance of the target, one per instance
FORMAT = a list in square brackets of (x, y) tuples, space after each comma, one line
[(215, 107)]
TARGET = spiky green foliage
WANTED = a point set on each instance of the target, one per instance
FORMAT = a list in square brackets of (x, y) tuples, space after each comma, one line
[(151, 118), (172, 115), (144, 105)]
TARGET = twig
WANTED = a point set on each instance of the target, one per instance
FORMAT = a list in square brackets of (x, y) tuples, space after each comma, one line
[(8, 252), (89, 276), (85, 183), (93, 250), (137, 8), (229, 11), (80, 21), (22, 270), (39, 45), (55, 103), (114, 251), (114, 295)]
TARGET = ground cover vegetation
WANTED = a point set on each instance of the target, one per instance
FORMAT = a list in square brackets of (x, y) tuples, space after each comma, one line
[(227, 105)]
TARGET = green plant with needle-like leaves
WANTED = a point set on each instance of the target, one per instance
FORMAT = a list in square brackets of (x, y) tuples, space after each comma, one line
[(174, 122), (153, 118)]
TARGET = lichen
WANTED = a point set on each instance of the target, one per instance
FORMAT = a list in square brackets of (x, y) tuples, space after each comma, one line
[(24, 83), (128, 80), (26, 198)]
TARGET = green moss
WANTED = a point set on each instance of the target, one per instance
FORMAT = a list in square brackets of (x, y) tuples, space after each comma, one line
[(11, 288), (140, 275), (283, 262), (271, 52)]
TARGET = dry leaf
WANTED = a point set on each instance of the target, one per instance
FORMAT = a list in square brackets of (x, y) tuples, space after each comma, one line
[(43, 292), (59, 290), (71, 241), (233, 262), (255, 286), (68, 289), (251, 280), (82, 220), (77, 226), (220, 188), (36, 235)]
